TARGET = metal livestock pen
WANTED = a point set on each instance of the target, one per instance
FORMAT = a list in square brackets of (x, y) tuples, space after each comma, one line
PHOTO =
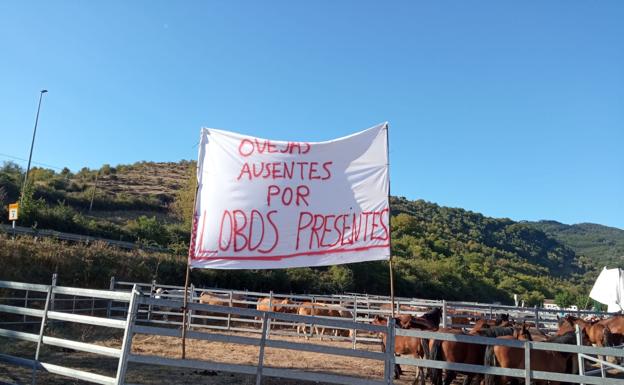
[(134, 321), (362, 307)]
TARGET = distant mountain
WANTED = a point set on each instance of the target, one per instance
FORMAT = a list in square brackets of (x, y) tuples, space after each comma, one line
[(603, 245)]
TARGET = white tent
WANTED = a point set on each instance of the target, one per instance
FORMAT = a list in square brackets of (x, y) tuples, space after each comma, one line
[(609, 289)]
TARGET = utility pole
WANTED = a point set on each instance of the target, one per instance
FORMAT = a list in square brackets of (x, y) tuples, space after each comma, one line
[(94, 188), (32, 144)]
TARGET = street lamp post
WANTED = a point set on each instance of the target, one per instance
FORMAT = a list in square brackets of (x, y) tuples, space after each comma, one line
[(32, 144)]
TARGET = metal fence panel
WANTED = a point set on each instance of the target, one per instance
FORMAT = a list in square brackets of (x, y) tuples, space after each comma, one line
[(23, 286), (302, 347), (87, 320), (21, 311), (78, 374), (101, 294), (83, 347), (319, 377), (192, 364)]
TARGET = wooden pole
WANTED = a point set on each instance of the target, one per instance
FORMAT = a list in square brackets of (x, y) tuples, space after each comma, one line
[(391, 285), (94, 189), (184, 311), (389, 223), (188, 267)]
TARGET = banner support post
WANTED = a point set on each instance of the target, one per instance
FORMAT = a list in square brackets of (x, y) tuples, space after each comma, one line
[(389, 224), (184, 311), (188, 267)]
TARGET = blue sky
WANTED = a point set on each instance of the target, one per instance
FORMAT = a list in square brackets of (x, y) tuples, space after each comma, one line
[(512, 109)]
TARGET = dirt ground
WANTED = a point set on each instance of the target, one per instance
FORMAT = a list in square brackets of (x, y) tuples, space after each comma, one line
[(201, 350), (198, 350)]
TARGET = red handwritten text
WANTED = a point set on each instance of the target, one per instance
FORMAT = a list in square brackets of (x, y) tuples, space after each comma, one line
[(247, 147)]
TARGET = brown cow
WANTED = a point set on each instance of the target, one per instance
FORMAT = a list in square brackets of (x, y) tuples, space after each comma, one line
[(219, 299), (277, 305), (319, 309), (210, 298)]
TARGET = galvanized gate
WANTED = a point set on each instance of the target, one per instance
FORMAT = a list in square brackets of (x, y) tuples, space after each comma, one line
[(47, 315)]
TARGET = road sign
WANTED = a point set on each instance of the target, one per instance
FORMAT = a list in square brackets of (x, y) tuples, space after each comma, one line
[(13, 210)]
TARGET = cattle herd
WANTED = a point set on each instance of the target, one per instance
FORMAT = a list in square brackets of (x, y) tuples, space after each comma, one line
[(278, 305), (597, 332)]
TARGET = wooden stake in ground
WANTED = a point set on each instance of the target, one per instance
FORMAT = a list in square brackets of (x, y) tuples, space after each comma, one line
[(188, 271), (184, 310)]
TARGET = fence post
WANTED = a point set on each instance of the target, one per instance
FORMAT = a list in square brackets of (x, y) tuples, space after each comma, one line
[(126, 343), (190, 312), (444, 313), (490, 311), (25, 304), (389, 363), (536, 317), (268, 321), (109, 305), (581, 361), (265, 324), (150, 306), (229, 319), (44, 319), (54, 282), (527, 362), (355, 310)]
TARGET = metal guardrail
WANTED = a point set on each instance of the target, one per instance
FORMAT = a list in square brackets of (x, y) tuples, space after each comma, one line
[(19, 230)]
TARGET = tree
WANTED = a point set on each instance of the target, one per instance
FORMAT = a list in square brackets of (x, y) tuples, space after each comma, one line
[(341, 278), (4, 202), (534, 298), (149, 229), (30, 207), (11, 168), (564, 299), (583, 301), (183, 206)]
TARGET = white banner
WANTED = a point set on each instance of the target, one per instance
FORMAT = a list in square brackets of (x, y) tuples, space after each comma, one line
[(265, 204)]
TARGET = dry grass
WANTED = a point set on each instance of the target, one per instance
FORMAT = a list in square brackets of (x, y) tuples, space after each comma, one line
[(150, 178)]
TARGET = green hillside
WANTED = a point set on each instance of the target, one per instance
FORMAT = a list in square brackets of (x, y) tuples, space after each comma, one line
[(603, 245), (456, 253), (128, 202), (440, 252)]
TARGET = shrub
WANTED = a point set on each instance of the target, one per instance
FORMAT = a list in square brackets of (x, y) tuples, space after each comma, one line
[(148, 230)]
